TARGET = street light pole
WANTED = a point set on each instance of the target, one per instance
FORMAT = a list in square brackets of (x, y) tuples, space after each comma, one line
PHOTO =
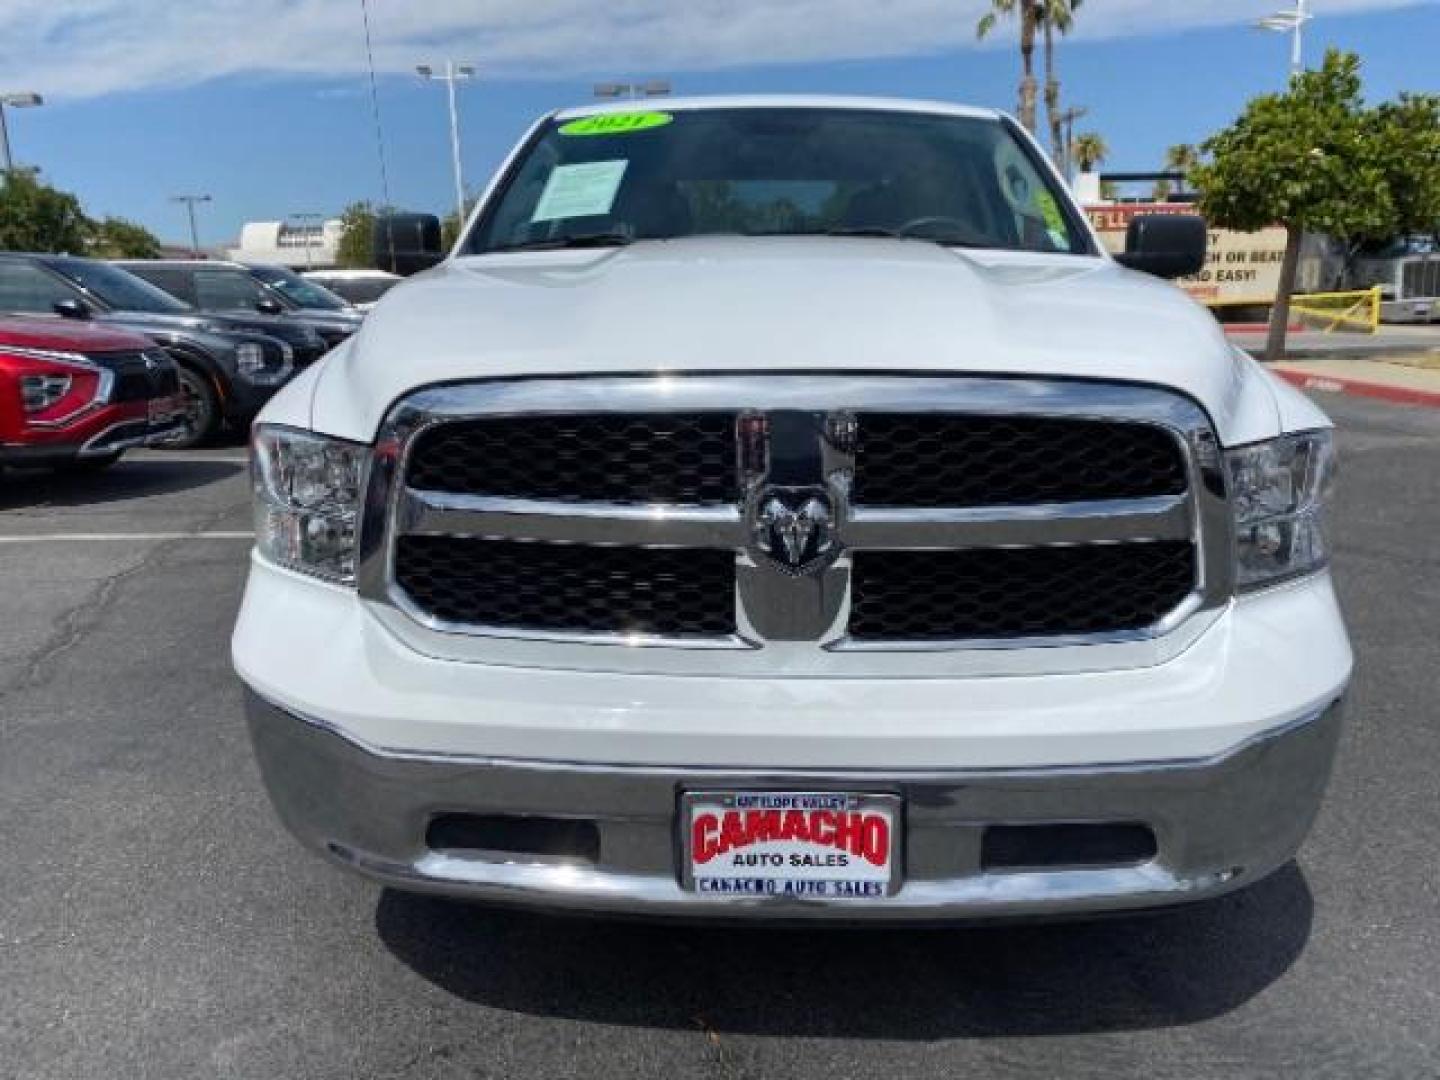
[(614, 90), (453, 73), (1292, 22), (309, 215), (15, 101), (190, 201)]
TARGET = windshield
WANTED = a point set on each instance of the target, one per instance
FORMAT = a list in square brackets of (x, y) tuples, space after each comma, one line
[(117, 288), (301, 293), (617, 177)]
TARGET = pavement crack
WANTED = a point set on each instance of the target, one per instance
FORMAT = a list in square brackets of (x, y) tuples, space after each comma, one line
[(78, 621)]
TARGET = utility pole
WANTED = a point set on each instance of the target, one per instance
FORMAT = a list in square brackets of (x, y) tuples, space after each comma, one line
[(453, 74), (190, 201), (24, 100)]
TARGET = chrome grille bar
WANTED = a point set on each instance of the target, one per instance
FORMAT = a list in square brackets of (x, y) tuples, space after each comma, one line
[(809, 606), (431, 513)]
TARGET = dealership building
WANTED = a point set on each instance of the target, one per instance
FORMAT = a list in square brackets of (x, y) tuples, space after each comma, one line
[(299, 245)]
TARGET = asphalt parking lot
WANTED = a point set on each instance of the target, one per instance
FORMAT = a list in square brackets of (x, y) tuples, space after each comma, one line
[(155, 921)]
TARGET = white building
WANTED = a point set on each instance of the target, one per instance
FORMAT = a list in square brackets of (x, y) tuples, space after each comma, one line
[(301, 246)]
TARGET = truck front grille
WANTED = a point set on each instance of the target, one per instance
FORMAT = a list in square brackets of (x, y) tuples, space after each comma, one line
[(866, 512), (570, 588), (1420, 278), (1017, 592), (676, 458), (931, 459)]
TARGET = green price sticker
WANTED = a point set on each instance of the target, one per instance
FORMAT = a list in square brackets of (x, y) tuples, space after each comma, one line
[(616, 123), (1050, 211)]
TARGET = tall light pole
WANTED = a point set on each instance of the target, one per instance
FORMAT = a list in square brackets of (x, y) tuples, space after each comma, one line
[(1292, 22), (453, 73), (308, 215), (190, 201), (15, 101), (651, 88)]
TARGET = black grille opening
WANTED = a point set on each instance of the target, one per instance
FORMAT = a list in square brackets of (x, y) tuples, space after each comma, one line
[(1055, 847), (568, 839), (933, 459), (677, 458), (570, 588), (135, 380), (1017, 592)]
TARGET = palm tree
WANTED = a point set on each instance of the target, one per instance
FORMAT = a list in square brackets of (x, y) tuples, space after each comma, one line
[(1090, 150), (1028, 11), (1054, 17), (1182, 158)]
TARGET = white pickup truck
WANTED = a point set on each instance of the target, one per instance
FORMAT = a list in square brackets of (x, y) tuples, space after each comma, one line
[(783, 508)]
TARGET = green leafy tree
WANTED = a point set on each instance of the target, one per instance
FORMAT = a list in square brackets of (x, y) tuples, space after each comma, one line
[(1028, 14), (356, 247), (1090, 150), (117, 238), (1056, 17), (1406, 134), (37, 217), (1315, 159)]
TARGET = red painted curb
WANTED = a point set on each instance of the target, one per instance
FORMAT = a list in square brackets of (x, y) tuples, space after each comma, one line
[(1257, 328), (1331, 384)]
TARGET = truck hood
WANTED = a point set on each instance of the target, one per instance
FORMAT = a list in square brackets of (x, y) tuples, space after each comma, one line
[(821, 304)]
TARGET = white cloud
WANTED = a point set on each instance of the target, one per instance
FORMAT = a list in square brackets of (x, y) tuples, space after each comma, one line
[(81, 48)]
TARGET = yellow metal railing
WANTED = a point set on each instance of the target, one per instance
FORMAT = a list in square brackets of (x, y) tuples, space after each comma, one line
[(1357, 311)]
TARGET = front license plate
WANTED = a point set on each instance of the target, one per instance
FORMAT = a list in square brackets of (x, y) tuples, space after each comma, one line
[(795, 844)]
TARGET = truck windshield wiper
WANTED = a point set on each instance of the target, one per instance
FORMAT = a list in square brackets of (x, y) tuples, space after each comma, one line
[(558, 243)]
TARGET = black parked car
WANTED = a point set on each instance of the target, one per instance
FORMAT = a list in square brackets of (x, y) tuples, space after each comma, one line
[(212, 285), (230, 364)]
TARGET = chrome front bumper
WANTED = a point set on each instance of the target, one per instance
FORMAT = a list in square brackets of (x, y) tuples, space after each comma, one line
[(1219, 824)]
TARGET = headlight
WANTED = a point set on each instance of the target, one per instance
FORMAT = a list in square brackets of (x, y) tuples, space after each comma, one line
[(1279, 490), (308, 491), (254, 366), (41, 392)]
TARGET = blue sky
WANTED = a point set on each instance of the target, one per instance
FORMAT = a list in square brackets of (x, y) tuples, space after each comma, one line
[(124, 129)]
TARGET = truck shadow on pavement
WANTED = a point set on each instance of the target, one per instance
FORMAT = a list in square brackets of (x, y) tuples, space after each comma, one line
[(129, 479), (1124, 973)]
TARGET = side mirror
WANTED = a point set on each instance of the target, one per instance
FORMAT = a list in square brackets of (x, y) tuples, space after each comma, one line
[(407, 243), (72, 309), (268, 305), (1166, 245)]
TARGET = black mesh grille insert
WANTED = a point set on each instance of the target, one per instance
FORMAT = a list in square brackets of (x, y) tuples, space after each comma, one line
[(570, 587), (674, 458), (134, 379), (1017, 592), (926, 459)]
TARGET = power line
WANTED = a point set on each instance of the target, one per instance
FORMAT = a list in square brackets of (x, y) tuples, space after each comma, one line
[(379, 130)]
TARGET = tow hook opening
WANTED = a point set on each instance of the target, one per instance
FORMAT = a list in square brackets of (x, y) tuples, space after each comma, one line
[(543, 839), (1066, 846)]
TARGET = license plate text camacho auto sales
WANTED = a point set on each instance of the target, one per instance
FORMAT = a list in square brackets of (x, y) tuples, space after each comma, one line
[(818, 844)]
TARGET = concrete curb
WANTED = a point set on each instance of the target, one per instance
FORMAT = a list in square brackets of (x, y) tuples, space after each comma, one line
[(1335, 384)]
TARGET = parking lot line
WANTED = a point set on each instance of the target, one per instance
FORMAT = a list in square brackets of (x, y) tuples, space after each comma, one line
[(35, 538)]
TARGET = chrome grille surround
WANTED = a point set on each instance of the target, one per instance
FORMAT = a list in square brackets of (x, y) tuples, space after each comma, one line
[(778, 612)]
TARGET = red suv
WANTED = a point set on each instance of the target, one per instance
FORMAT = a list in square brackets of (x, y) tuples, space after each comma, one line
[(77, 396)]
